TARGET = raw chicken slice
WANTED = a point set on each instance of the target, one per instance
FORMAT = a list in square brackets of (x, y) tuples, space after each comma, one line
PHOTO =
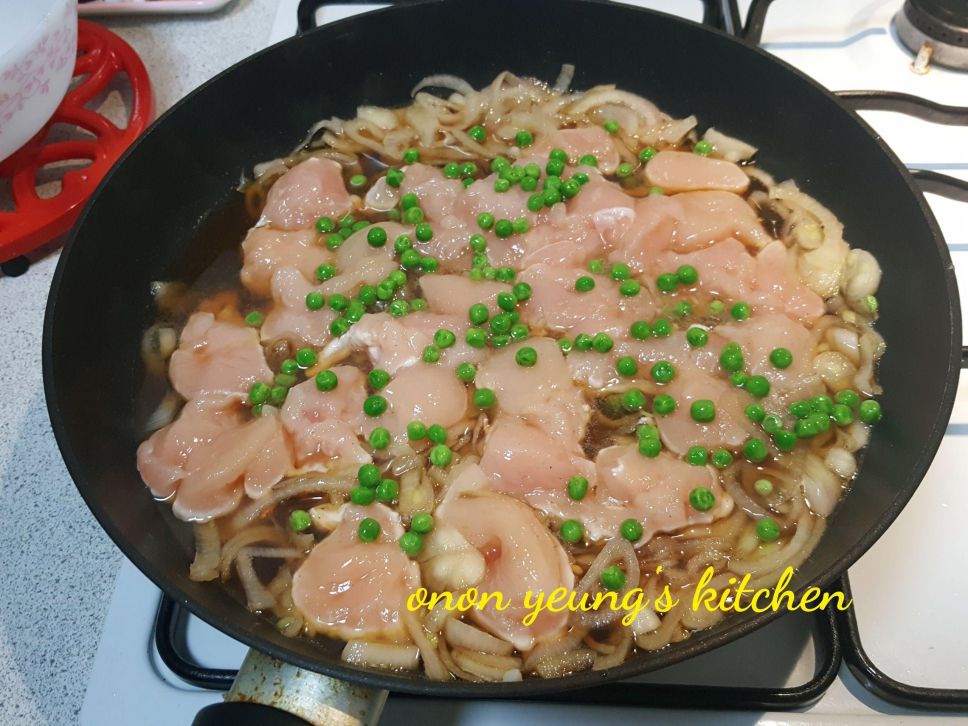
[(757, 337), (521, 556), (431, 394), (436, 194), (730, 428), (350, 589), (778, 286), (454, 294), (359, 263), (251, 458), (216, 359), (265, 250), (311, 189), (653, 491), (726, 269), (556, 305), (684, 171), (165, 457), (324, 425), (543, 394), (521, 459), (289, 317), (579, 142)]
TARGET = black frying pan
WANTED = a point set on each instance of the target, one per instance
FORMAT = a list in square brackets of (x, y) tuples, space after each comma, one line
[(143, 225)]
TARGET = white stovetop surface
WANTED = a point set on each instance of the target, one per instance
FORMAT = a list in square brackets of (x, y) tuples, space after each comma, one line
[(57, 569)]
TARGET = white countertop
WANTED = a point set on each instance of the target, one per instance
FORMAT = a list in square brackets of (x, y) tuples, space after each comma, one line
[(57, 568)]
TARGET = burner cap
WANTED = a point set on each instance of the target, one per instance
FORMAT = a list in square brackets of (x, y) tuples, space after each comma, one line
[(942, 24)]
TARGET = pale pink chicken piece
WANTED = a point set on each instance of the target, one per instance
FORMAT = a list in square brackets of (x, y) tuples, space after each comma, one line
[(436, 194), (522, 556), (778, 286), (289, 317), (265, 250), (685, 223), (311, 189), (581, 141), (324, 425), (653, 491), (431, 394), (730, 428), (351, 589), (757, 337), (249, 459), (216, 358), (359, 263), (684, 171), (454, 294), (543, 394), (165, 457), (556, 305), (522, 459), (726, 269), (395, 343)]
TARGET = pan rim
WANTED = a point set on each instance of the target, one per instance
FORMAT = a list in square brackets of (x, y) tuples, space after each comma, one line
[(696, 644)]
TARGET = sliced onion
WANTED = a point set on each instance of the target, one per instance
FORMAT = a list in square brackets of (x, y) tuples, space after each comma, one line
[(564, 79), (551, 648), (461, 635), (433, 666), (299, 486), (619, 652), (256, 594), (728, 147), (443, 80), (207, 551), (573, 661), (381, 655), (617, 550)]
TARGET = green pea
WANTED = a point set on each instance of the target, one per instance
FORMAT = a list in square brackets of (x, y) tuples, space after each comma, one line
[(444, 338), (466, 372), (683, 309), (650, 447), (697, 456), (315, 300), (721, 458), (554, 167), (848, 398), (702, 148), (731, 358), (577, 488), (387, 490), (585, 283), (755, 412), (758, 386), (640, 330), (772, 423), (633, 400), (368, 530), (842, 415), (522, 291), (755, 450), (716, 307), (505, 274), (588, 160), (422, 523), (624, 170), (325, 225), (785, 440), (703, 410), (501, 340), (413, 215), (663, 371), (477, 133), (411, 543), (767, 529), (398, 308), (667, 282), (475, 337), (254, 319), (571, 531), (484, 398), (613, 577), (524, 138), (379, 438), (423, 232), (299, 520), (702, 499), (781, 357), (411, 156), (520, 225), (306, 357), (626, 366), (697, 337), (289, 365), (551, 197), (355, 311), (664, 404), (583, 342), (630, 288), (631, 530), (362, 496), (485, 220), (526, 357), (647, 153), (357, 181), (503, 228), (763, 487), (800, 409), (259, 393), (326, 380), (431, 354), (602, 342), (518, 332), (570, 188), (806, 428), (565, 345), (740, 311), (416, 431), (821, 404), (611, 126), (869, 412), (395, 177), (441, 456), (374, 406), (286, 380), (418, 304)]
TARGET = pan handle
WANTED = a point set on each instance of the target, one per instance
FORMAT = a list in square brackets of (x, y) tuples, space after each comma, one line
[(269, 692), (306, 11)]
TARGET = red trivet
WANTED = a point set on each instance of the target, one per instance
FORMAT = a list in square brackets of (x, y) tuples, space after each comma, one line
[(101, 56)]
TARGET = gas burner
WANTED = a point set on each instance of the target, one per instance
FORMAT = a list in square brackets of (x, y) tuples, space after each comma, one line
[(935, 31)]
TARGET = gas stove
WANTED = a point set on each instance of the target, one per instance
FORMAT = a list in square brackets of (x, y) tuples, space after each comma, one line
[(898, 655)]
